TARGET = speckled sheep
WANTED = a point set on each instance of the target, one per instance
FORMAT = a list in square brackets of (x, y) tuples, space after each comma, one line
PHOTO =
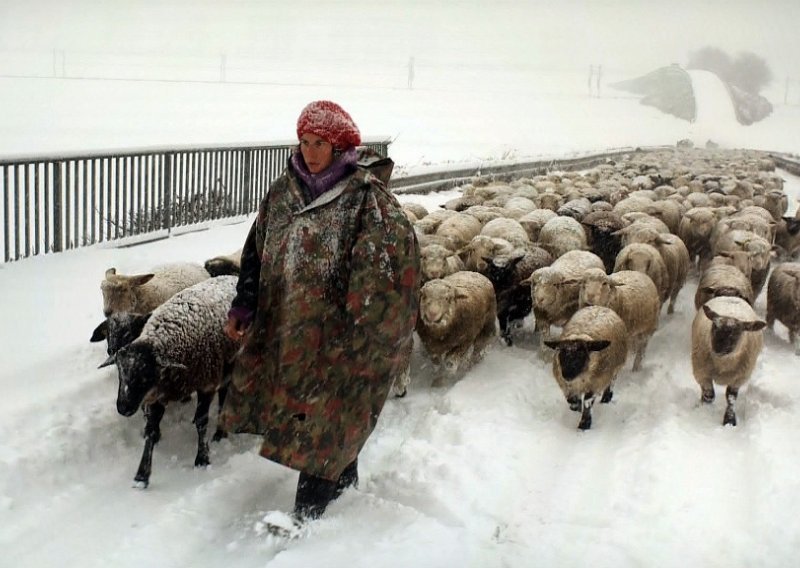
[(555, 289), (722, 280), (182, 350), (458, 320), (633, 296), (142, 293), (561, 235), (783, 300), (646, 259), (727, 338), (590, 353)]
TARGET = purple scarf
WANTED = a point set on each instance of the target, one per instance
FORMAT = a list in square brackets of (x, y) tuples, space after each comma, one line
[(318, 184)]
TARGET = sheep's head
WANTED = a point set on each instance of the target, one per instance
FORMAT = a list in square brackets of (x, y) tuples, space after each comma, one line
[(119, 291), (572, 355), (727, 330), (140, 370), (595, 288), (434, 261), (437, 298), (118, 329)]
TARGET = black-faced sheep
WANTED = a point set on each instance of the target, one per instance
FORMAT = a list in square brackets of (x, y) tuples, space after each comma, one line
[(727, 338), (634, 298), (458, 320), (513, 293), (224, 264), (182, 349), (783, 300), (591, 351), (601, 231), (142, 293), (118, 330)]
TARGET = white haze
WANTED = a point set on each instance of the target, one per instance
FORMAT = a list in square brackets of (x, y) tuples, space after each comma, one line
[(487, 472)]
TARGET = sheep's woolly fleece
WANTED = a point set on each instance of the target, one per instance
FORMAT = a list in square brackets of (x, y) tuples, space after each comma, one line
[(205, 305)]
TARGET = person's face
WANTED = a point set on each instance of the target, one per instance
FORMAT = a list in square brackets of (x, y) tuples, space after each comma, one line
[(317, 152)]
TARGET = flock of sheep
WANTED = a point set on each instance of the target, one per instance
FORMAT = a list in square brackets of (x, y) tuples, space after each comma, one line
[(597, 254)]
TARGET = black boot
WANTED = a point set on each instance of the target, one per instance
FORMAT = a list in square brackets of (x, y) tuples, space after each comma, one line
[(313, 496), (349, 478)]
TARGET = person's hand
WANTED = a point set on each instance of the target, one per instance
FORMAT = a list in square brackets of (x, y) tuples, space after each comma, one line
[(234, 328)]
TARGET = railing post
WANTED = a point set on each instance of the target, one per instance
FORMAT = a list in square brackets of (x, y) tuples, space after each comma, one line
[(244, 205), (166, 182), (58, 206)]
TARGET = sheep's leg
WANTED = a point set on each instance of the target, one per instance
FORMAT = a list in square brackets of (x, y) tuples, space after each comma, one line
[(707, 393), (586, 413), (153, 414), (505, 330), (730, 412), (574, 402), (201, 423), (794, 340), (608, 394), (640, 345), (671, 306), (219, 433)]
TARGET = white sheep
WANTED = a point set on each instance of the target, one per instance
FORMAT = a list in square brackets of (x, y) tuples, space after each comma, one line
[(722, 280), (591, 351), (633, 296), (142, 293), (508, 229), (437, 261), (646, 259), (695, 231), (181, 350), (759, 249), (561, 235), (458, 320), (555, 289), (783, 300), (459, 228), (727, 338), (475, 255), (534, 221)]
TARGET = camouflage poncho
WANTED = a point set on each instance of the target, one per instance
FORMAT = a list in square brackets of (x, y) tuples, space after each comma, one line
[(335, 285)]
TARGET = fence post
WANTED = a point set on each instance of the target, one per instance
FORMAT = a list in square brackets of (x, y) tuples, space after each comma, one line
[(58, 206), (244, 205), (166, 182)]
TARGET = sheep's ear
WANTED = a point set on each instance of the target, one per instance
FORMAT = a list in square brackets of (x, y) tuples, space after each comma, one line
[(710, 314), (757, 325), (100, 332), (792, 225), (111, 272), (140, 279), (597, 345), (552, 343), (109, 361)]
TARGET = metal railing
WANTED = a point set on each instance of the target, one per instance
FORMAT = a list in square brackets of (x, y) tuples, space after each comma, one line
[(55, 203)]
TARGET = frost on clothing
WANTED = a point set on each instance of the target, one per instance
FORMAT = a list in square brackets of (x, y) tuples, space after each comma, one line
[(334, 286)]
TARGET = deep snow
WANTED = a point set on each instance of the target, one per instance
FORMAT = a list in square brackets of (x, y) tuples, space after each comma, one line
[(487, 472)]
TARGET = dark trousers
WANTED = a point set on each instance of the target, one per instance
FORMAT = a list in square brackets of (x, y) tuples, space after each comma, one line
[(314, 494)]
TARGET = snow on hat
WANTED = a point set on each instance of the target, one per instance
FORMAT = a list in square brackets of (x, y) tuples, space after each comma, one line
[(328, 120)]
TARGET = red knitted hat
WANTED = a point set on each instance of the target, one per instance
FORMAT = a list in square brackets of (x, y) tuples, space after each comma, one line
[(328, 120)]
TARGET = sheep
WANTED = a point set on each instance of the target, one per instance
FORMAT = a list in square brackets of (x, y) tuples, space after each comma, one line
[(759, 249), (672, 251), (534, 221), (142, 293), (428, 224), (600, 229), (783, 300), (561, 235), (633, 296), (418, 210), (508, 229), (576, 208), (225, 264), (182, 349), (591, 351), (787, 238), (459, 228), (514, 301), (646, 259), (458, 319), (118, 330), (555, 289), (727, 337), (438, 261), (695, 231), (723, 280), (482, 247)]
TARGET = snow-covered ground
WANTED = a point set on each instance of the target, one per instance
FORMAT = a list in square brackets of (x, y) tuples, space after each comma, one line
[(487, 472)]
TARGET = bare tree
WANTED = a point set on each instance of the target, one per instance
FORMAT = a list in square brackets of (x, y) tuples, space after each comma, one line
[(713, 59)]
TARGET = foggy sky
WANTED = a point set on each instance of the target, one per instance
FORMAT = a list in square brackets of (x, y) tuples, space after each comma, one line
[(631, 36)]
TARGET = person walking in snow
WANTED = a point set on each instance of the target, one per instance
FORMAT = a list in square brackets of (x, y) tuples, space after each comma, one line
[(325, 310)]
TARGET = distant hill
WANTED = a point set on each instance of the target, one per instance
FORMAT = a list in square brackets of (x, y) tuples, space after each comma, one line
[(669, 89)]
